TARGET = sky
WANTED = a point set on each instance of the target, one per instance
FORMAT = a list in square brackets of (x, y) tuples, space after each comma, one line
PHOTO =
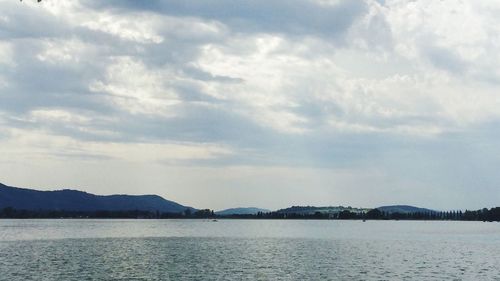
[(218, 104)]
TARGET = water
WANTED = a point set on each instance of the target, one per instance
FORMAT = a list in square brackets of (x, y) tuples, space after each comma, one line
[(248, 250)]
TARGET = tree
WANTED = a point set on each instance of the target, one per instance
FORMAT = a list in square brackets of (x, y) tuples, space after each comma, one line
[(346, 215), (374, 214)]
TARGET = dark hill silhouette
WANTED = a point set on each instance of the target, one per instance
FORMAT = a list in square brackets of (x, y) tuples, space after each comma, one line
[(74, 200), (404, 209)]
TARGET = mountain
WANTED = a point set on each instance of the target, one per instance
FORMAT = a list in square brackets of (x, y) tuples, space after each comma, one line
[(74, 200), (241, 211), (310, 210), (404, 209)]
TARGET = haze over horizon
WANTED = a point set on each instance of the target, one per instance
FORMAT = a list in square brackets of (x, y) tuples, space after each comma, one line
[(264, 103)]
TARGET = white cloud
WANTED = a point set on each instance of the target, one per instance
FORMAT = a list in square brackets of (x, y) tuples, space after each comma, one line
[(420, 100), (137, 89), (63, 51), (135, 27), (269, 69)]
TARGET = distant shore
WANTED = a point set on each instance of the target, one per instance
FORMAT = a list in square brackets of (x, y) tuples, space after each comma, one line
[(492, 214)]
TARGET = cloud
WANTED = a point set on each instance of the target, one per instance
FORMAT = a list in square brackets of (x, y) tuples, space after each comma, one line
[(133, 88), (357, 86), (31, 145), (296, 18)]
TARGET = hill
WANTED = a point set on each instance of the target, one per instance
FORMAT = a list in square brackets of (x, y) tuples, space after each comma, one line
[(404, 209), (241, 211), (310, 210), (74, 200)]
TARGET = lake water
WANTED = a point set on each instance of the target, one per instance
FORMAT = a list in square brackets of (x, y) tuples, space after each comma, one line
[(248, 250)]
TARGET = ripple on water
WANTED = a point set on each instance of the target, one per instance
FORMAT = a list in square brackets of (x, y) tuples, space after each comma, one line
[(192, 258)]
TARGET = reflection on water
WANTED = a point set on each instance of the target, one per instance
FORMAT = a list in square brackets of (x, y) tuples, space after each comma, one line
[(248, 250)]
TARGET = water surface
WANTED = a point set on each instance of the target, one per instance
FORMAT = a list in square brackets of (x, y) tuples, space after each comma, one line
[(248, 250)]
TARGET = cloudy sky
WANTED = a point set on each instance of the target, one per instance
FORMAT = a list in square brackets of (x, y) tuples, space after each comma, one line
[(226, 103)]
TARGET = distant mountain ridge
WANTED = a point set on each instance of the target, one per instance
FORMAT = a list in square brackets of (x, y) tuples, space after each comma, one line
[(241, 211), (74, 200), (310, 210)]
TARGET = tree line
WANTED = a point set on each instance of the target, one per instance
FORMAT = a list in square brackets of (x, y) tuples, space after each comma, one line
[(13, 213), (492, 214), (485, 214)]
